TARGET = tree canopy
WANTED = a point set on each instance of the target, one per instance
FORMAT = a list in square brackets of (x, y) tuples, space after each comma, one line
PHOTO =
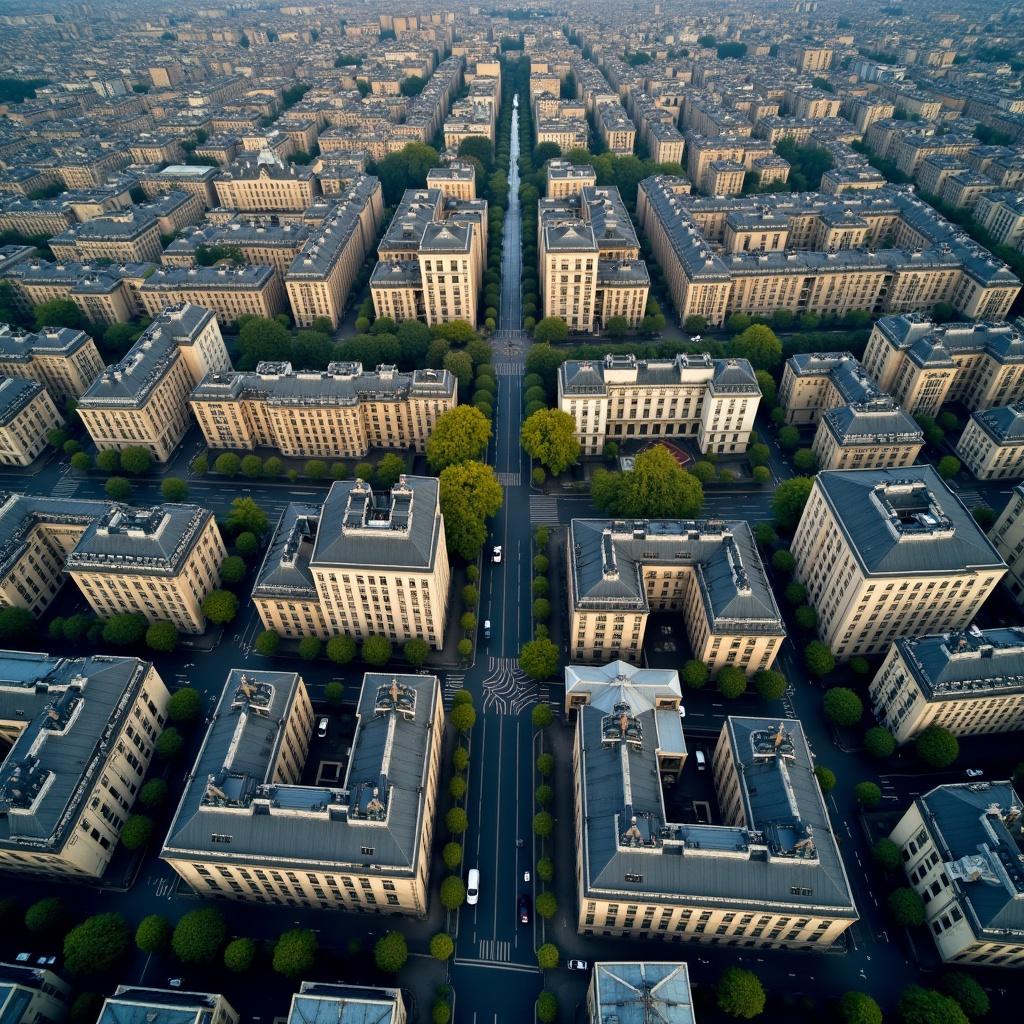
[(97, 945), (549, 436), (539, 658), (295, 953), (199, 936), (470, 495), (740, 993), (391, 952), (459, 435), (759, 345), (405, 169), (655, 488)]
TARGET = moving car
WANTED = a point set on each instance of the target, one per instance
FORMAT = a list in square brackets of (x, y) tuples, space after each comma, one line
[(174, 982), (577, 965), (496, 556), (321, 729), (524, 908), (487, 629), (473, 887), (701, 760)]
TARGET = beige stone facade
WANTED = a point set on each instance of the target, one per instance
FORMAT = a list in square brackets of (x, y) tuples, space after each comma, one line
[(143, 400), (266, 183), (230, 292), (618, 573), (342, 412), (27, 415), (961, 846), (712, 402), (1007, 535), (992, 444), (247, 830), (890, 553), (65, 814), (359, 564), (33, 995)]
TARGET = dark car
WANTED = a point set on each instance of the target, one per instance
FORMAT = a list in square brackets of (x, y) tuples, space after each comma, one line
[(524, 909)]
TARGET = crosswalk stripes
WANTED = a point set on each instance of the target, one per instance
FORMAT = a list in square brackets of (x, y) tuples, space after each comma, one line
[(543, 509), (65, 487), (496, 951), (509, 479), (453, 682), (971, 498), (508, 369)]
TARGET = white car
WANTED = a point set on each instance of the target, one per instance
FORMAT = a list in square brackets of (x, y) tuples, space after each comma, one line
[(321, 729), (577, 965), (473, 887), (496, 556), (174, 982), (974, 773)]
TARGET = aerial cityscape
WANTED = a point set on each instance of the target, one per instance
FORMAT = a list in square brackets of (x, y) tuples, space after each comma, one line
[(511, 513)]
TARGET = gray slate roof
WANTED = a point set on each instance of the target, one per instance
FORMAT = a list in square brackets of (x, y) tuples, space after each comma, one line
[(15, 394), (1004, 424), (905, 522)]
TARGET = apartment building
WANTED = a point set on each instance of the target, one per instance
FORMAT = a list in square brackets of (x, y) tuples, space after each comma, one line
[(617, 131), (1007, 535), (266, 183), (230, 292), (876, 249), (143, 399), (195, 179), (343, 411), (732, 153), (361, 564), (712, 402), (618, 572), (588, 257), (262, 242), (320, 277), (431, 259), (890, 553), (992, 443), (32, 995), (767, 874), (873, 434), (159, 562), (566, 180), (322, 1001), (970, 682), (924, 365), (27, 415), (258, 823), (132, 1004), (82, 732), (1001, 214), (125, 236), (625, 992), (455, 180), (962, 848)]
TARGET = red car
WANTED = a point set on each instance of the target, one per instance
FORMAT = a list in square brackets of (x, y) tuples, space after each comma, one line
[(524, 909)]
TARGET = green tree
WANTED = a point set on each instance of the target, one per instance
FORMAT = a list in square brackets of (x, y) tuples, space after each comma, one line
[(859, 1008), (185, 706), (376, 650), (309, 648), (879, 742), (169, 743), (543, 824), (656, 488), (341, 649), (85, 1009), (15, 625), (826, 778), (442, 946), (550, 329), (732, 682), (965, 991), (919, 1005), (247, 543), (453, 892), (789, 500), (389, 469), (153, 934), (545, 764), (391, 952), (948, 467), (906, 907), (239, 955), (295, 953), (695, 674), (273, 467), (759, 345), (452, 856), (136, 460), (460, 758), (770, 684), (740, 994), (544, 794), (58, 313), (542, 716), (456, 821), (457, 787), (82, 462), (315, 469), (46, 916), (547, 956), (334, 693), (545, 869), (416, 651), (153, 794), (97, 945), (547, 905), (220, 606), (227, 464), (199, 936), (549, 436), (267, 643), (137, 832), (232, 570), (539, 658), (819, 658), (125, 630), (843, 706), (252, 466), (936, 747), (462, 717), (107, 460), (247, 516), (547, 1007), (886, 854), (174, 489), (459, 435), (162, 636), (805, 461), (470, 494), (867, 794), (117, 488), (789, 438)]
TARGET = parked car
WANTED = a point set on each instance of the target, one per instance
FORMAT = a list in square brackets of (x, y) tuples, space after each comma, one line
[(974, 773), (496, 555), (473, 887), (175, 982), (23, 958), (524, 908), (577, 965), (487, 629), (321, 729)]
